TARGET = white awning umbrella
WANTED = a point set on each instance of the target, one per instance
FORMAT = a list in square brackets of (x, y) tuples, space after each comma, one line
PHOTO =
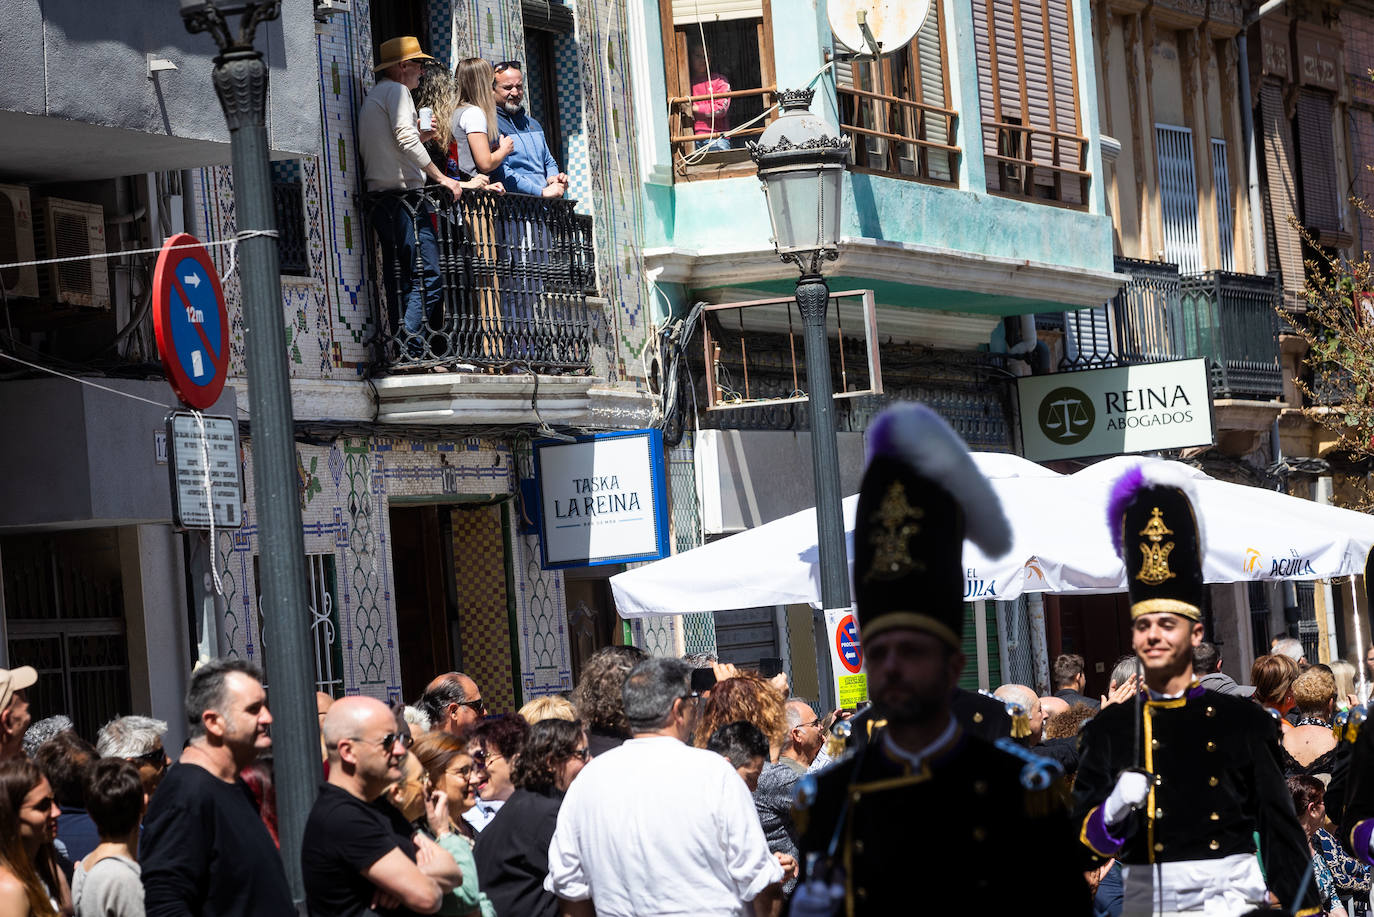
[(1060, 544)]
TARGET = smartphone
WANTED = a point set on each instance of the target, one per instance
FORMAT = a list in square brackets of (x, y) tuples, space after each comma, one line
[(426, 119), (703, 680), (770, 666)]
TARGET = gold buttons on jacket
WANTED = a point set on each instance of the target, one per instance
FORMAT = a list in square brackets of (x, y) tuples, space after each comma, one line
[(1154, 743), (1159, 848), (1211, 711), (1212, 781), (1214, 845), (1211, 746), (1159, 780), (1215, 816), (1159, 813)]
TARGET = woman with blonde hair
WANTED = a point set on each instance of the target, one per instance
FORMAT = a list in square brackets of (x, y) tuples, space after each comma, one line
[(1344, 673), (31, 884), (438, 91), (1310, 748), (548, 707), (471, 122)]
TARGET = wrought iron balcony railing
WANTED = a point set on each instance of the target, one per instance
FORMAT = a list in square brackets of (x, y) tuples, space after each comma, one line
[(1162, 315), (505, 284)]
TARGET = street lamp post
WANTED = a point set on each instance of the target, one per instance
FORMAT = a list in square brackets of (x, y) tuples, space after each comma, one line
[(240, 77), (801, 165)]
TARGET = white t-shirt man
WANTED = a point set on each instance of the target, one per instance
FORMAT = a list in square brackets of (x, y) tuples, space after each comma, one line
[(656, 827)]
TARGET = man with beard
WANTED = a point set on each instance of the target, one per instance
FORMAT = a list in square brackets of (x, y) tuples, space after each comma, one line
[(530, 168), (1179, 783), (204, 850), (926, 810)]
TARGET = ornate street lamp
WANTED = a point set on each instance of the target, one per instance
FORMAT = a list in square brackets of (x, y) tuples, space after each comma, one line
[(240, 77), (801, 165)]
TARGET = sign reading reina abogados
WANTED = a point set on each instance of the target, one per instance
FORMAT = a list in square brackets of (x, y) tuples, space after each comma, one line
[(602, 499), (1116, 411)]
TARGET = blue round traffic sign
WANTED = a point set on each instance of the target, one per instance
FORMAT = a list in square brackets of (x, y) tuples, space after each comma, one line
[(847, 644), (190, 321)]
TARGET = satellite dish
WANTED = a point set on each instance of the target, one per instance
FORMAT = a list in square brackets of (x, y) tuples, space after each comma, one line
[(890, 23)]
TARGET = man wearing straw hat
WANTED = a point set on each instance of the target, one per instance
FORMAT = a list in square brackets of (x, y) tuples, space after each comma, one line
[(394, 159)]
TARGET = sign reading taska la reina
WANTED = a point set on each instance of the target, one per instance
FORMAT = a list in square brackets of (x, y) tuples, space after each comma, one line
[(602, 499), (1116, 411)]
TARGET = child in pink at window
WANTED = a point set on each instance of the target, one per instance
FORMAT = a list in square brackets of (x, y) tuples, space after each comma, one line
[(712, 115)]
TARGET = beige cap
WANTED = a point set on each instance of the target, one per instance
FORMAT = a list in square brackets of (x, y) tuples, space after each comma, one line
[(12, 680)]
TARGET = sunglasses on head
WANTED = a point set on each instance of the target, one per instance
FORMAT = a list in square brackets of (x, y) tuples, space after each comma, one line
[(500, 66)]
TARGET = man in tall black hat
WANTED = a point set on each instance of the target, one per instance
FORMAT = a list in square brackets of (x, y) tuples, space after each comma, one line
[(1177, 784), (926, 810)]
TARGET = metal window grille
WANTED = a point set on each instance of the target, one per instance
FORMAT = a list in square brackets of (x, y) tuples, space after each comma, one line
[(1308, 631), (288, 203), (324, 621), (1178, 196), (1259, 618), (1088, 339), (1014, 641), (1221, 184)]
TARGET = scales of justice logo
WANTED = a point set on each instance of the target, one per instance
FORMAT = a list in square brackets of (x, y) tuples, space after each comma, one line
[(1066, 416)]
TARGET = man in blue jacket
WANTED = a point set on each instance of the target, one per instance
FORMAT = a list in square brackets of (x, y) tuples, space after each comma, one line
[(530, 168)]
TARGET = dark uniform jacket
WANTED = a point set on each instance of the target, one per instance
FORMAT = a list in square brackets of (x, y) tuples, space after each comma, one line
[(937, 836), (1217, 782), (1357, 823)]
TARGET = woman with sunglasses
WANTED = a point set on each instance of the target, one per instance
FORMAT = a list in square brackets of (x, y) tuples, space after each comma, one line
[(494, 744), (438, 765), (31, 884), (427, 809), (513, 856)]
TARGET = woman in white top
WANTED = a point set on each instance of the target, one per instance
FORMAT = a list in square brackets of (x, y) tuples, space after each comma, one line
[(480, 146), (31, 885)]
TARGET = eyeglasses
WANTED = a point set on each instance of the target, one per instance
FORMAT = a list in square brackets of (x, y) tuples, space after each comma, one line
[(816, 723), (155, 758), (478, 706), (499, 66), (482, 757), (388, 740), (583, 753), (465, 771)]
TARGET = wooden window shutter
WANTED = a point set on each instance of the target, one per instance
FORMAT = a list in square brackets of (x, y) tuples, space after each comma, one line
[(930, 53), (686, 12), (1280, 167), (1317, 161), (1178, 197)]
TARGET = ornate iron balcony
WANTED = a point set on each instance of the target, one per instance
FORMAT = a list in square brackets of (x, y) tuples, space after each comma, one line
[(513, 274)]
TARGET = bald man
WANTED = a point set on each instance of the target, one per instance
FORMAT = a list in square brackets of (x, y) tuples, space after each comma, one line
[(453, 702), (353, 858), (1052, 706), (1029, 701)]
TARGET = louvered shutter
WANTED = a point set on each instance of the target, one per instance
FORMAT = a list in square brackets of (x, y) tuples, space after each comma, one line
[(1280, 169), (1317, 161), (1178, 197), (1064, 75), (687, 12), (1221, 183), (1088, 338), (931, 54)]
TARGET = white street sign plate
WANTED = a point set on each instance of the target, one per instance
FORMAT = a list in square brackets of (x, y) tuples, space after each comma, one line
[(190, 502)]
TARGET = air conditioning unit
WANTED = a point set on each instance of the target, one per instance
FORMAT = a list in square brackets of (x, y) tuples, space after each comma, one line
[(16, 242), (74, 229)]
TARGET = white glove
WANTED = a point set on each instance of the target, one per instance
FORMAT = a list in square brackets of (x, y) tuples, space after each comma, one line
[(1132, 788)]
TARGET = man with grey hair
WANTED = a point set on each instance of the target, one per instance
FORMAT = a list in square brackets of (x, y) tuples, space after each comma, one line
[(655, 826), (778, 782), (137, 739), (45, 729), (1292, 648), (204, 850)]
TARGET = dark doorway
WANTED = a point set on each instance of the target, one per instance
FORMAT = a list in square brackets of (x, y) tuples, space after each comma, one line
[(1096, 627), (394, 18), (591, 617), (424, 594)]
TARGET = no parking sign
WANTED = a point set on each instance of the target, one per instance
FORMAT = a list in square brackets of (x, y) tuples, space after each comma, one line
[(190, 322), (846, 657)]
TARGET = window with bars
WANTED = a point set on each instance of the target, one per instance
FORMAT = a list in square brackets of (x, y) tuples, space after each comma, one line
[(323, 610), (1221, 184), (718, 55), (1178, 197), (1028, 91), (896, 109)]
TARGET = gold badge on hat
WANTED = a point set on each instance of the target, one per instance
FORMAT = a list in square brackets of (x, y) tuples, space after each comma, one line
[(1154, 567), (897, 520)]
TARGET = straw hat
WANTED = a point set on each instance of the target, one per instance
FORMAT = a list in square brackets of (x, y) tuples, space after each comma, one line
[(397, 50)]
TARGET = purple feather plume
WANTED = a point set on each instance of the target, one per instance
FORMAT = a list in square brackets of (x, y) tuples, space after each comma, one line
[(1123, 490)]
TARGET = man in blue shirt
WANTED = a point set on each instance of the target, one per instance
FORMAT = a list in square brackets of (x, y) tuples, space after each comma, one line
[(530, 168)]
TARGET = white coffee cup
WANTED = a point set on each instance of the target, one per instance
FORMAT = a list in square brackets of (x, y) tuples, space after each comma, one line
[(426, 119)]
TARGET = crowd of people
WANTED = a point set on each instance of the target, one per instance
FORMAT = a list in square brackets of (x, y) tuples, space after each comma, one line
[(436, 807)]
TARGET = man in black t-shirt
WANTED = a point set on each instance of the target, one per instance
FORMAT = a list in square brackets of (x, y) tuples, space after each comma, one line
[(205, 851), (351, 857)]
